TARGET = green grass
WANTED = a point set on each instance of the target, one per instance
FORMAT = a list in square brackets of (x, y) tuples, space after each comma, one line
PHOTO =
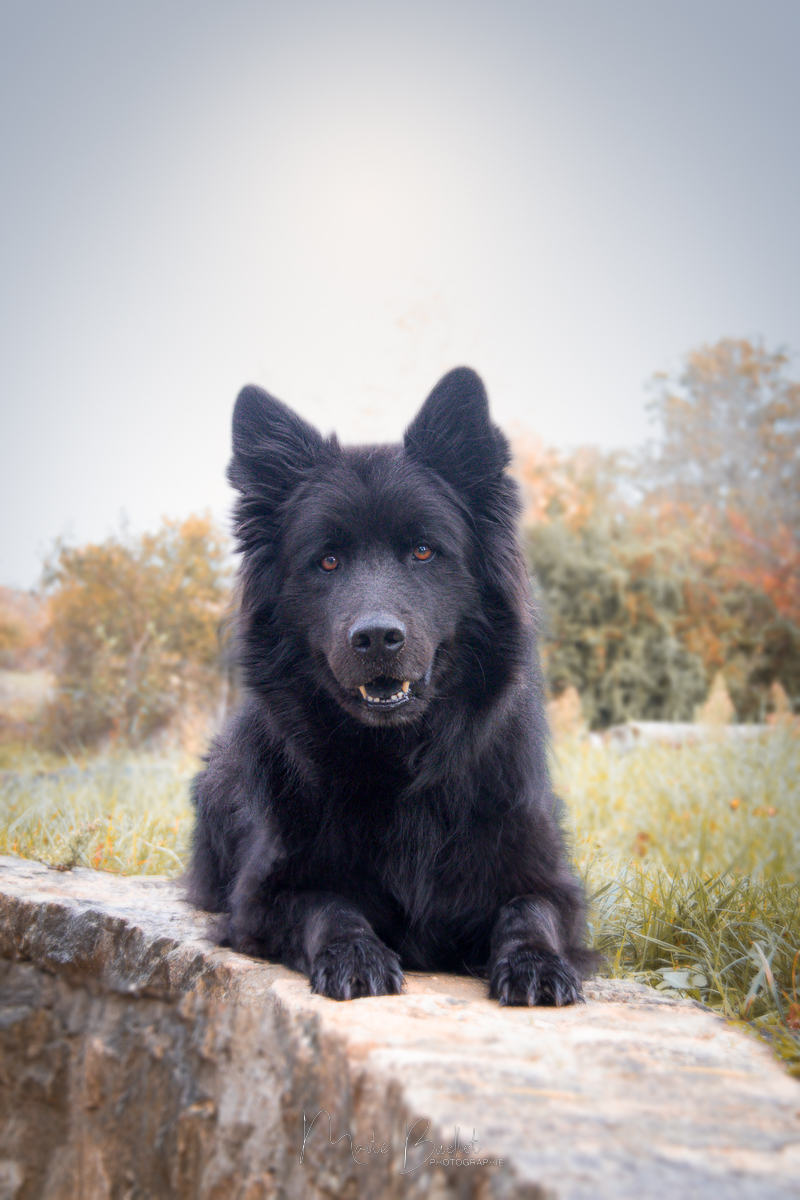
[(691, 855), (121, 812), (692, 859), (706, 806)]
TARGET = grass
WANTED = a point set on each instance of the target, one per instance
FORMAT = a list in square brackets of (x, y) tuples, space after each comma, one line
[(705, 806), (691, 855), (692, 858), (120, 812)]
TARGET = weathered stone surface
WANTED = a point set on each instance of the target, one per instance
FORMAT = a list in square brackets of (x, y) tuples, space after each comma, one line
[(138, 1061)]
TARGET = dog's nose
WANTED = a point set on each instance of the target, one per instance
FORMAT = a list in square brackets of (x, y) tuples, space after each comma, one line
[(377, 635)]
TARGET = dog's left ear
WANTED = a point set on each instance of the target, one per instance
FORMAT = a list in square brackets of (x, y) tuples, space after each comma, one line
[(454, 435)]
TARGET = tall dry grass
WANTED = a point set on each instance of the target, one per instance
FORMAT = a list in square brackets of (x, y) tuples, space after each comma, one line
[(692, 858), (121, 812)]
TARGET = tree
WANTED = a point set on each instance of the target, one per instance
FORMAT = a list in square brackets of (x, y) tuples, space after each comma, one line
[(133, 629), (610, 631), (729, 435), (21, 622), (649, 595), (578, 488), (725, 480)]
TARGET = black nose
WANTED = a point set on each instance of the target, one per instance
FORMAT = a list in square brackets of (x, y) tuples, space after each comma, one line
[(377, 635)]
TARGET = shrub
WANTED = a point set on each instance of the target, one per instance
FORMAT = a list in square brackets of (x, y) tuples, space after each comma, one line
[(21, 627), (133, 631), (610, 629)]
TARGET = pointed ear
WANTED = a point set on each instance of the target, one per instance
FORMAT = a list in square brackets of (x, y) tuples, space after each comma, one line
[(272, 446), (454, 436)]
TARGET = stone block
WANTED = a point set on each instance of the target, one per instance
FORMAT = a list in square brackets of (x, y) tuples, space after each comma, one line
[(139, 1061)]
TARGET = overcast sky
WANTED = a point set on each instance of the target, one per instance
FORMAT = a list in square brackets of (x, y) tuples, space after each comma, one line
[(341, 200)]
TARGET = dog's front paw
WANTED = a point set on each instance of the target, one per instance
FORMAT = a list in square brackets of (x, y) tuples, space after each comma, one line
[(528, 976), (353, 967)]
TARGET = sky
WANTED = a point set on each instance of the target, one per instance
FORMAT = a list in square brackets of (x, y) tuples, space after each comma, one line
[(342, 200)]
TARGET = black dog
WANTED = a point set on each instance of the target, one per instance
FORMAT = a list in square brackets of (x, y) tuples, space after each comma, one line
[(382, 800)]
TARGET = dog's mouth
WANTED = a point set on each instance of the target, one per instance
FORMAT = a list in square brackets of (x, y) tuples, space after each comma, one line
[(385, 693), (385, 699)]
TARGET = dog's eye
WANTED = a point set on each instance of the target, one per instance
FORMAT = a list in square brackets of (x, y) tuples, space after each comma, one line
[(422, 552), (329, 563)]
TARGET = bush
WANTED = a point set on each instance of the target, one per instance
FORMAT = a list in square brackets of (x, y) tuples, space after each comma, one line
[(610, 629), (21, 627), (133, 631), (659, 570)]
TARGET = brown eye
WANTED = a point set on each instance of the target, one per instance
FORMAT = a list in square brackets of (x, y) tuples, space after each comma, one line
[(422, 552), (329, 563)]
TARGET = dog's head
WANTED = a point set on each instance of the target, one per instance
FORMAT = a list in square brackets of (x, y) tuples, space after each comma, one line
[(382, 576)]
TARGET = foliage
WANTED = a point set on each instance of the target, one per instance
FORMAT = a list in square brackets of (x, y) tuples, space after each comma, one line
[(21, 628), (734, 618), (610, 613), (641, 620), (730, 434), (727, 466), (575, 489), (133, 630), (611, 630), (656, 575), (11, 637)]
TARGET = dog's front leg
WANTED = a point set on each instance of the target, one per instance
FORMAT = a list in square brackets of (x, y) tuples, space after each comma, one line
[(319, 933), (345, 957), (528, 958)]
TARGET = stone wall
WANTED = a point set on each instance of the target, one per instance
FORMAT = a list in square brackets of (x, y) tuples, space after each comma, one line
[(139, 1061)]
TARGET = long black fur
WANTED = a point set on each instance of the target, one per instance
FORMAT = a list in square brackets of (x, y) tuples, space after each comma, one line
[(349, 839)]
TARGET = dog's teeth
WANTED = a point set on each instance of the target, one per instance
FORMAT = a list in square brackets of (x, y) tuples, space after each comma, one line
[(395, 697)]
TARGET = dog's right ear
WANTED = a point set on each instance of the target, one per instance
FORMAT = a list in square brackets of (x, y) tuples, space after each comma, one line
[(453, 435), (272, 446)]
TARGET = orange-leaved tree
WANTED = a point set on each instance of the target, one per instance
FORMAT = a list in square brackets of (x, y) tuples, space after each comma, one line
[(656, 575), (722, 494), (134, 629), (609, 610), (729, 434), (21, 622), (729, 453)]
